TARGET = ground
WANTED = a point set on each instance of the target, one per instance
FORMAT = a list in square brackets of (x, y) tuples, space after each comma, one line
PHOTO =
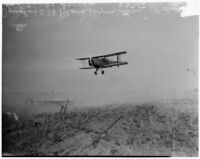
[(148, 129)]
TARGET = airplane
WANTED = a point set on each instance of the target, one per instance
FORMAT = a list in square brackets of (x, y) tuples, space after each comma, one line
[(100, 62)]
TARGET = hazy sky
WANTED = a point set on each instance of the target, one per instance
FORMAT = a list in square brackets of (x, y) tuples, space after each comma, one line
[(41, 56)]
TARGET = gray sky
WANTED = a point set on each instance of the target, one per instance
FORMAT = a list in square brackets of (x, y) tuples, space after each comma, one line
[(160, 46)]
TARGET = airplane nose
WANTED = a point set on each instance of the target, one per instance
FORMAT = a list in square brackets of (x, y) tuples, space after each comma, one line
[(89, 63), (92, 61)]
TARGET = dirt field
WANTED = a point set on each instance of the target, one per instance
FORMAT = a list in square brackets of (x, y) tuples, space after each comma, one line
[(158, 129)]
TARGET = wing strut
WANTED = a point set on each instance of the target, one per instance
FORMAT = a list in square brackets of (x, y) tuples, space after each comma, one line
[(82, 63), (118, 58)]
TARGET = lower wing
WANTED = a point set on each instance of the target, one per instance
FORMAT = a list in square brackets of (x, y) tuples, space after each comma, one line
[(109, 65), (115, 64), (91, 67)]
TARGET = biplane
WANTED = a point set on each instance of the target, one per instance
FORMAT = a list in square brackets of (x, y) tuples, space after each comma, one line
[(102, 61)]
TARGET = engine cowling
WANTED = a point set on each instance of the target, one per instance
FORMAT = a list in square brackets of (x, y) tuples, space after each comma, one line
[(90, 62)]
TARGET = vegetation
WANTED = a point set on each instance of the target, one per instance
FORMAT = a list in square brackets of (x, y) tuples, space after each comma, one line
[(169, 129)]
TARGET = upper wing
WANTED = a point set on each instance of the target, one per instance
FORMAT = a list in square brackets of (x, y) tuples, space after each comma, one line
[(115, 64), (108, 55), (85, 58), (113, 54)]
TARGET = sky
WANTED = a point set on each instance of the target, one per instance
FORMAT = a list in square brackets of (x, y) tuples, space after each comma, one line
[(39, 50)]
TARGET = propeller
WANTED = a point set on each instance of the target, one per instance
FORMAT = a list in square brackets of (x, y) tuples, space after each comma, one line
[(90, 61)]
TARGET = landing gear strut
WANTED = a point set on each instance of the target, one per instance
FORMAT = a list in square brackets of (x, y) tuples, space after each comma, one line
[(95, 72)]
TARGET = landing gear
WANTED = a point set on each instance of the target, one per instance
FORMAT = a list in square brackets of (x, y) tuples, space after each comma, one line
[(95, 72), (102, 71)]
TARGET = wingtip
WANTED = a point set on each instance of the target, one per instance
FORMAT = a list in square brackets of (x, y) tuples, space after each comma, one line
[(124, 52)]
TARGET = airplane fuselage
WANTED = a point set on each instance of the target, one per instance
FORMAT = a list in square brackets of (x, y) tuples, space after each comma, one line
[(99, 63)]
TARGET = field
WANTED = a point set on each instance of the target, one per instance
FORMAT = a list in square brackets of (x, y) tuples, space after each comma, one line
[(148, 129)]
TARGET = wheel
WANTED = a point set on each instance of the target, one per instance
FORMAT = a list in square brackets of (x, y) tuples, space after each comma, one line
[(102, 72), (95, 72)]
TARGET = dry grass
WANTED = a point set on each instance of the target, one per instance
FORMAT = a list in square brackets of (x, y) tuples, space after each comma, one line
[(156, 129)]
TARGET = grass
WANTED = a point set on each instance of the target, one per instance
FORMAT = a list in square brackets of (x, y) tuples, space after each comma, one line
[(156, 129)]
